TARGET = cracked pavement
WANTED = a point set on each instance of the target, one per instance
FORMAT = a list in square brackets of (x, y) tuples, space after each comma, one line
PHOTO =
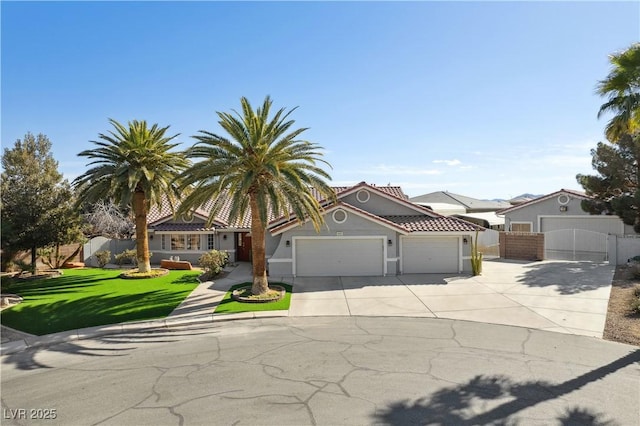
[(326, 371)]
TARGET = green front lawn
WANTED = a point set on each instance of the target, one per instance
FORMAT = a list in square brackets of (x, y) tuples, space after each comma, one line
[(229, 306), (88, 297)]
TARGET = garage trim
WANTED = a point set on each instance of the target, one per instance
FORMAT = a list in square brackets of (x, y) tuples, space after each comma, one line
[(458, 238), (382, 238)]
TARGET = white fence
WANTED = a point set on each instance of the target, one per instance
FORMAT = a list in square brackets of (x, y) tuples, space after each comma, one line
[(621, 249), (576, 244), (489, 243), (102, 243)]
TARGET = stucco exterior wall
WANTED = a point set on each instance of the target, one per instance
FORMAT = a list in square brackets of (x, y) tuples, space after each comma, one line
[(225, 242), (536, 212), (378, 205), (281, 261), (549, 207)]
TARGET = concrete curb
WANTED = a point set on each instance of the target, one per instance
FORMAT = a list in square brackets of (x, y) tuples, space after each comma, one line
[(12, 347), (31, 342)]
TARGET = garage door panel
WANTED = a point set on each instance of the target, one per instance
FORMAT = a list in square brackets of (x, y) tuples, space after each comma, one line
[(339, 257), (422, 255)]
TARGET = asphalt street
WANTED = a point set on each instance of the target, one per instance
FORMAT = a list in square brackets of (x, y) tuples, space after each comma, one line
[(325, 371)]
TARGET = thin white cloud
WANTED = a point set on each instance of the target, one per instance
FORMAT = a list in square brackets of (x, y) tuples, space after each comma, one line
[(401, 170), (454, 162)]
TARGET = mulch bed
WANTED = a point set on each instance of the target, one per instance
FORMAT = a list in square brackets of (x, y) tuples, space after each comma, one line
[(622, 324)]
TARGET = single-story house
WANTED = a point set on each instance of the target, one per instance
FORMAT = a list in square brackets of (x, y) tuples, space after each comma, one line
[(370, 230), (560, 210)]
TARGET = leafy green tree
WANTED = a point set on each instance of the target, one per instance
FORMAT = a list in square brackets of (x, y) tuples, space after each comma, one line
[(622, 87), (616, 187), (65, 227), (263, 168), (36, 202), (133, 165)]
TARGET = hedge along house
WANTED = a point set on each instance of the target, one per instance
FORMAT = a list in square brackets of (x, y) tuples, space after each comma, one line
[(369, 231)]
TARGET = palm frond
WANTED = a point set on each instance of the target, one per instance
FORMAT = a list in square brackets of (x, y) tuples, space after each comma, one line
[(262, 159)]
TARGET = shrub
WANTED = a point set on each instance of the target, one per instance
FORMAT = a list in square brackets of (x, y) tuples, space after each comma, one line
[(19, 265), (634, 269), (635, 300), (128, 256), (103, 257), (213, 261)]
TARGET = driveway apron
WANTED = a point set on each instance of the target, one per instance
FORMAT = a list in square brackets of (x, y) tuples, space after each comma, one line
[(561, 296)]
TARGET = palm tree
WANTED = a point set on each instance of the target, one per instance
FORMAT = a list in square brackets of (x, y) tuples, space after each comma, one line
[(263, 168), (134, 166), (622, 87)]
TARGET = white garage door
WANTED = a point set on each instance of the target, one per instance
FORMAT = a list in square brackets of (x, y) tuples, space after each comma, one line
[(426, 255), (339, 257)]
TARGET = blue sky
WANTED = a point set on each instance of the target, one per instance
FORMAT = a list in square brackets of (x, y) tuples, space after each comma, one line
[(484, 99)]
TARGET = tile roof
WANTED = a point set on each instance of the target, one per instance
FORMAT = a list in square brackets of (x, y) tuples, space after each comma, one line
[(186, 227), (424, 220), (396, 191), (156, 216), (420, 223), (578, 194), (293, 223), (165, 213)]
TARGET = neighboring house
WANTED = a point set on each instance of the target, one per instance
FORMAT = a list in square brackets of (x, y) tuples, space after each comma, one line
[(480, 212), (370, 230), (560, 210)]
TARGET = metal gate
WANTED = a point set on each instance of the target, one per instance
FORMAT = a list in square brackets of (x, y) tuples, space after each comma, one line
[(576, 244), (489, 243)]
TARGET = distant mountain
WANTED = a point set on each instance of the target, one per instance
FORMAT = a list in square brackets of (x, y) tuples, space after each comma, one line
[(525, 196), (530, 196)]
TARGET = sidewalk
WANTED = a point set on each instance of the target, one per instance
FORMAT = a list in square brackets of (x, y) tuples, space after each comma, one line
[(8, 334)]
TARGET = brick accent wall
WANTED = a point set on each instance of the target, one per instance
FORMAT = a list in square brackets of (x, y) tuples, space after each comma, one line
[(522, 245)]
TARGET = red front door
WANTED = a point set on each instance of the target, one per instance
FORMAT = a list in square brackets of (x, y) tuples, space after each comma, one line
[(243, 246)]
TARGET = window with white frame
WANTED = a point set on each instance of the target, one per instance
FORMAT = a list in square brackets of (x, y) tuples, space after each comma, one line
[(178, 242), (193, 242), (211, 241), (521, 226), (181, 242)]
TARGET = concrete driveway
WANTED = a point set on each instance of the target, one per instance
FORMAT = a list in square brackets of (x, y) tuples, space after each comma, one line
[(559, 296), (562, 296)]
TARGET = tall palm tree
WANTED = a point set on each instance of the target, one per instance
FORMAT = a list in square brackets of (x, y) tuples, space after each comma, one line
[(622, 87), (263, 168), (133, 165)]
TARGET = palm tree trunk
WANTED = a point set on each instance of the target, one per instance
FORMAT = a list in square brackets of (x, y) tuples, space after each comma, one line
[(260, 282), (142, 242), (34, 259)]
